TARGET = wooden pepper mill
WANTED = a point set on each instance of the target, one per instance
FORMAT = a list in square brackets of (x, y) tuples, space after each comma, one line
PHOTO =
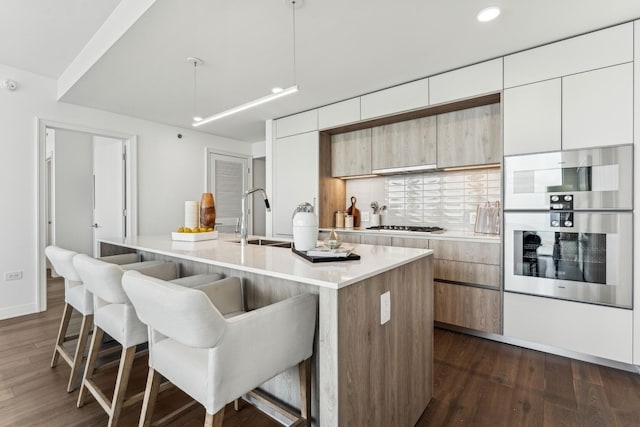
[(355, 212)]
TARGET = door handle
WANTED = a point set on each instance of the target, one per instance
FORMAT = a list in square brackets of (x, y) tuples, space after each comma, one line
[(95, 225)]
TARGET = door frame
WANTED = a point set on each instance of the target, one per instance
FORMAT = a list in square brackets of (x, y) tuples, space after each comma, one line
[(207, 176), (131, 145)]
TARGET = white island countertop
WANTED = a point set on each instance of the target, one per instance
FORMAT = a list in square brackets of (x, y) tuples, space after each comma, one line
[(279, 262)]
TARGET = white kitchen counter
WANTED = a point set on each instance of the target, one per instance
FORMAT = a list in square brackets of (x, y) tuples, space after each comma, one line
[(446, 235), (279, 262)]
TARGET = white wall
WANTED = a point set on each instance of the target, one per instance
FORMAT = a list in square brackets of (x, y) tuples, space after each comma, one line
[(170, 171), (72, 191)]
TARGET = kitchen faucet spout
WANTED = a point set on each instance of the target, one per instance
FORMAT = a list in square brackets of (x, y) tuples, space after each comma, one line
[(244, 226)]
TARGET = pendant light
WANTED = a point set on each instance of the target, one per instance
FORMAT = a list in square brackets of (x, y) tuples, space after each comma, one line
[(276, 92), (195, 61)]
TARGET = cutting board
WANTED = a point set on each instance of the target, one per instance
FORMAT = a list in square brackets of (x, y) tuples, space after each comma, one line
[(352, 210)]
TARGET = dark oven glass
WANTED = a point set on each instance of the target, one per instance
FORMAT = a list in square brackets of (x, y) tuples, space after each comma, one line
[(579, 257)]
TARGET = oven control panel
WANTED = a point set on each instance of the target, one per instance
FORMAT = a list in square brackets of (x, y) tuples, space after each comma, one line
[(561, 219), (561, 210), (561, 202)]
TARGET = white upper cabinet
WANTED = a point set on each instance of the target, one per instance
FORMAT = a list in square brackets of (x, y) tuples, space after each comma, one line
[(298, 123), (532, 117), (408, 96), (597, 108), (599, 49), (466, 82), (295, 178), (339, 113)]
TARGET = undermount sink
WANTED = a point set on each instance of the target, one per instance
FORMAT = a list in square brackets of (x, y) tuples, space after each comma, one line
[(267, 242)]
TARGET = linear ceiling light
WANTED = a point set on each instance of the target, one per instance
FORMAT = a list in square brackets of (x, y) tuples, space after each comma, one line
[(277, 92), (251, 104)]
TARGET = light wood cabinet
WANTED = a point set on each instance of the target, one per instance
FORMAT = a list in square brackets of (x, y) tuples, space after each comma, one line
[(469, 137), (597, 108), (402, 144), (351, 153), (368, 239), (467, 306), (467, 272), (295, 178), (464, 251), (532, 118), (466, 282)]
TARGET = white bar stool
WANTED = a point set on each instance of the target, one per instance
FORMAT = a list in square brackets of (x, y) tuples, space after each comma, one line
[(197, 343), (114, 314), (76, 297)]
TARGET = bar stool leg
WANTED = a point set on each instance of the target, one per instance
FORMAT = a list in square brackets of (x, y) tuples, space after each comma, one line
[(304, 371), (214, 420), (94, 348), (62, 332), (126, 363), (150, 396), (85, 330)]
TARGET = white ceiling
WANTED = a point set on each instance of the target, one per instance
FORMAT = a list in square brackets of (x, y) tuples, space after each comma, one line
[(344, 49), (43, 36)]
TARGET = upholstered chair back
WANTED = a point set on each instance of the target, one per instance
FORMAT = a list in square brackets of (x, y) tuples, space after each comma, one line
[(62, 262), (183, 314)]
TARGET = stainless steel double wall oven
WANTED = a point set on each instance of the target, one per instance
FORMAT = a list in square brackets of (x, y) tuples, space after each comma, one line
[(569, 225)]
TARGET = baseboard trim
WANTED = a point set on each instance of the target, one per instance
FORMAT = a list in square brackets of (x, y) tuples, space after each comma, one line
[(18, 310), (543, 348)]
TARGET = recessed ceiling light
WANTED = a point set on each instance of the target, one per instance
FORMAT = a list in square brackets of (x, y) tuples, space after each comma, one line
[(488, 14), (197, 119), (276, 90)]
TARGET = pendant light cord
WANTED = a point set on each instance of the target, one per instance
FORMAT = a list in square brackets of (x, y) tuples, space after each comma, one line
[(295, 76), (195, 88)]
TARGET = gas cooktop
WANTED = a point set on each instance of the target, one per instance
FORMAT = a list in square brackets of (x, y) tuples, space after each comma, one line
[(407, 228)]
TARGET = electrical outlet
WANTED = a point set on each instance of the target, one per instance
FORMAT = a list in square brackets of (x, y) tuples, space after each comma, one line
[(385, 307), (13, 275), (365, 216)]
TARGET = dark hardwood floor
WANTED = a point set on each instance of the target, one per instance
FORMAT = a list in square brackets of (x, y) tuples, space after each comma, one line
[(476, 383)]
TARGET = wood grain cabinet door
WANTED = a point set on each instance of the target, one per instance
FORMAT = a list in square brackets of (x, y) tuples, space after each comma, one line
[(469, 137), (402, 144), (351, 153)]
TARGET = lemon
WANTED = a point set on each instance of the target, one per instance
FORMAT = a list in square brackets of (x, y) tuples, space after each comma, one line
[(187, 230), (210, 229), (181, 230)]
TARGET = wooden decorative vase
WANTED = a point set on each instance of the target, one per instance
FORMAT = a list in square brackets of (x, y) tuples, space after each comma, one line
[(207, 211)]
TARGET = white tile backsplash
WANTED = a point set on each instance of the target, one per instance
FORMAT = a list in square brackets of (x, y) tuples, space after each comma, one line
[(446, 199)]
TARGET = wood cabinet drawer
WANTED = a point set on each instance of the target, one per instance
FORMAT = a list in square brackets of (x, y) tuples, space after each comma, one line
[(465, 272), (375, 240), (469, 307), (481, 253), (406, 242)]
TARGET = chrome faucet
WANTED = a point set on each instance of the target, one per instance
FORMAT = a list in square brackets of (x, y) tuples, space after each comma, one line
[(243, 226)]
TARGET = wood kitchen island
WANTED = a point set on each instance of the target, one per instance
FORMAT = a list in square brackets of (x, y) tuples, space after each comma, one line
[(366, 374)]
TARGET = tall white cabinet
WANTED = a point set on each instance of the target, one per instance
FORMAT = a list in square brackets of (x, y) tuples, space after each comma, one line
[(294, 168)]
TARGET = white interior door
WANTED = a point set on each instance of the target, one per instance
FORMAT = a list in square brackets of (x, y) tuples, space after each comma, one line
[(228, 180), (108, 190)]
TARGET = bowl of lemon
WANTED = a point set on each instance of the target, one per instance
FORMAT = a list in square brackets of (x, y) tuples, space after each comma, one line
[(194, 234)]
